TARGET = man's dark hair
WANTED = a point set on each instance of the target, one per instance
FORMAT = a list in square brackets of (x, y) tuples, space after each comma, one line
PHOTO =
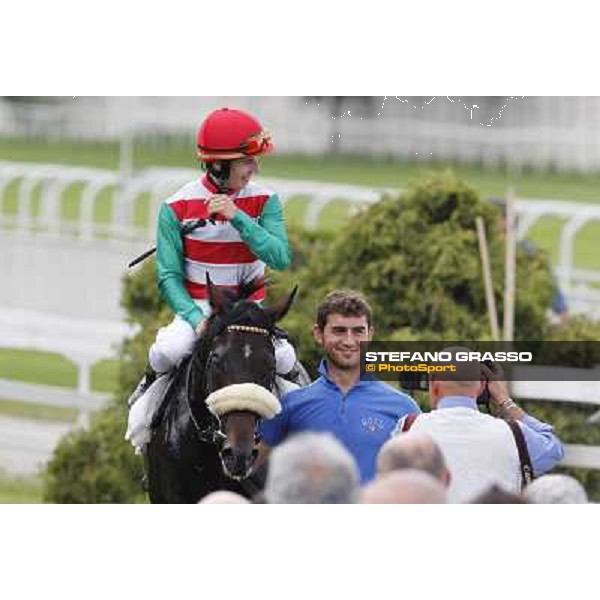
[(347, 303)]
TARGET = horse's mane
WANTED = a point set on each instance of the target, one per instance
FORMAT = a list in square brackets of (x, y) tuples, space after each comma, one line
[(238, 310)]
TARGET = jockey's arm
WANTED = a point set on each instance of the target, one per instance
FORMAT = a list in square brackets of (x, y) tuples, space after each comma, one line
[(267, 238), (169, 268)]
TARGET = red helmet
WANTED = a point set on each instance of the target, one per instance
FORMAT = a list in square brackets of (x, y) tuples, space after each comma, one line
[(227, 134)]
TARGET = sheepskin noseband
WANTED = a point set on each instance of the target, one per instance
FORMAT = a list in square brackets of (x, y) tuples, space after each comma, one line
[(244, 396)]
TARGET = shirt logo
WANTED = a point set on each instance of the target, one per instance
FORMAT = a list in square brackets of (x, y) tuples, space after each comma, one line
[(372, 424)]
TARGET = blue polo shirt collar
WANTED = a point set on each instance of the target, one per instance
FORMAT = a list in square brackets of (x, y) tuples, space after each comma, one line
[(458, 401), (324, 373)]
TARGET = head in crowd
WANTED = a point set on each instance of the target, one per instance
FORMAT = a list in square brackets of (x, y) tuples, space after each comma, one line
[(413, 450), (344, 319), (496, 495), (404, 487), (223, 497), (467, 380), (555, 489), (312, 468)]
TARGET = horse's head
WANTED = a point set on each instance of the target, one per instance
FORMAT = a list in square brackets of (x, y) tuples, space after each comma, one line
[(239, 372), (238, 408)]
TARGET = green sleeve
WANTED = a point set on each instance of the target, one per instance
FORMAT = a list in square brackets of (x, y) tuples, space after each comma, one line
[(170, 268), (267, 238)]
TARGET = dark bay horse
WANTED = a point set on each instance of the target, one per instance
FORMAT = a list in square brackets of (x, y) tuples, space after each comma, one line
[(192, 452)]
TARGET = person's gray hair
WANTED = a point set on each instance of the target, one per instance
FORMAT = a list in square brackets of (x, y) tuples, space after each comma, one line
[(412, 450), (312, 468), (555, 489)]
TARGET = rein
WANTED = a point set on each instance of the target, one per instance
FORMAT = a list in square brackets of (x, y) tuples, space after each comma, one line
[(213, 434)]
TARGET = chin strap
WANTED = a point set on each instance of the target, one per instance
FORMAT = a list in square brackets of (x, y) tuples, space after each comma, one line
[(218, 173)]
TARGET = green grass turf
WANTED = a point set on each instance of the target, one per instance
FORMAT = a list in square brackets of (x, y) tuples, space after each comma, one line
[(37, 412), (341, 169), (20, 490), (350, 170), (52, 369)]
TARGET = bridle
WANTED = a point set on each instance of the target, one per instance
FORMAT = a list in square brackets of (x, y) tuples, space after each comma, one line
[(213, 433)]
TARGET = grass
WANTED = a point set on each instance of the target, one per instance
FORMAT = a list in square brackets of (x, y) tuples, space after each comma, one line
[(46, 368), (37, 412), (342, 169), (20, 490), (348, 170), (37, 367), (52, 369)]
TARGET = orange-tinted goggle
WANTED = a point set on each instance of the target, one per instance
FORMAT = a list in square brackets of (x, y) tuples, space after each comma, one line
[(257, 144), (261, 143)]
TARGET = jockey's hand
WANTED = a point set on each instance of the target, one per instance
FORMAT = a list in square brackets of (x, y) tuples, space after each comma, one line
[(221, 204)]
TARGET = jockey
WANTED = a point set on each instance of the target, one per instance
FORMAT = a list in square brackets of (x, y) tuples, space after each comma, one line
[(246, 232)]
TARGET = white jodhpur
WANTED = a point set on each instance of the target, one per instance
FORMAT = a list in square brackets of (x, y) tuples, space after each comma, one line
[(176, 341), (142, 413)]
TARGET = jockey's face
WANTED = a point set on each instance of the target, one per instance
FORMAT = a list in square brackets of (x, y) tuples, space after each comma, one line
[(341, 338), (241, 172)]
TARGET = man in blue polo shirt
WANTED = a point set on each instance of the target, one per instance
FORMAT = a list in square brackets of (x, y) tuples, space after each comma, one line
[(361, 414)]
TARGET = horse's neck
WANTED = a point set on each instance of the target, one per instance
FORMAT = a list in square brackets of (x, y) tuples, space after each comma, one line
[(194, 389)]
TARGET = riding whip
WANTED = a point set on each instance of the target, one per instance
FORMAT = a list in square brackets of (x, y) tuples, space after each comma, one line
[(185, 229)]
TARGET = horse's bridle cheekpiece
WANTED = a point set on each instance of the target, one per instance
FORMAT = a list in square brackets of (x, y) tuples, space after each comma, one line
[(213, 433)]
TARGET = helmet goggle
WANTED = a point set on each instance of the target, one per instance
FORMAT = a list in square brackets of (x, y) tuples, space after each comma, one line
[(257, 144), (253, 146)]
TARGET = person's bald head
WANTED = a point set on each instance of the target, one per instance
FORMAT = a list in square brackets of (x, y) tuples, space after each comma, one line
[(223, 497), (466, 380), (404, 487), (555, 489), (413, 450)]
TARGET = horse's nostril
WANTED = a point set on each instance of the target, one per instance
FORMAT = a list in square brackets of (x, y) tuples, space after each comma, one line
[(238, 465)]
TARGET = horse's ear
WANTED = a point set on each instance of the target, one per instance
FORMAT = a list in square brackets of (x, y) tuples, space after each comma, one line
[(247, 288), (216, 297), (278, 310)]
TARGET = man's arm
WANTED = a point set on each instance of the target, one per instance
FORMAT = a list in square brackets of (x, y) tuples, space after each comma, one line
[(267, 238), (170, 270), (545, 449)]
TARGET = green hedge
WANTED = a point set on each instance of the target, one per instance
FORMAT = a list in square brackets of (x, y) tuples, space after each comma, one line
[(414, 256)]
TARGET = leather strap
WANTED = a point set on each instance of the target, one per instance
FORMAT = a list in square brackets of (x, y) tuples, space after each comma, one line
[(408, 422), (524, 459)]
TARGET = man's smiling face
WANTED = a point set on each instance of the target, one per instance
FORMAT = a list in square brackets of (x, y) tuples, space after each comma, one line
[(341, 337)]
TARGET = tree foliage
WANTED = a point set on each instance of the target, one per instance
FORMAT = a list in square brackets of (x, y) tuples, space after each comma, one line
[(96, 464), (414, 256)]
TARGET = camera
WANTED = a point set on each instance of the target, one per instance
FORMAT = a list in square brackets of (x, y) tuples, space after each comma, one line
[(415, 381)]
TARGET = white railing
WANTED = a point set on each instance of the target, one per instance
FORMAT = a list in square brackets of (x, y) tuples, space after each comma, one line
[(55, 397), (579, 285), (84, 343), (563, 387), (74, 247)]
